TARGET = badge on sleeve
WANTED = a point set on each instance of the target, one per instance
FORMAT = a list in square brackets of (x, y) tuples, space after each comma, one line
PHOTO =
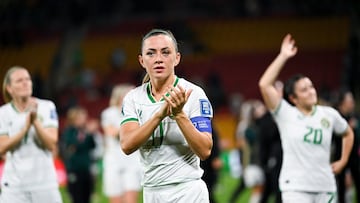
[(205, 107), (53, 114)]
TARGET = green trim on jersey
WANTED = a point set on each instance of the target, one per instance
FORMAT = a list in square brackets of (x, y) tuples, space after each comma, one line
[(161, 133), (314, 110), (14, 107), (276, 110), (161, 128), (332, 196), (148, 90), (129, 119), (25, 139)]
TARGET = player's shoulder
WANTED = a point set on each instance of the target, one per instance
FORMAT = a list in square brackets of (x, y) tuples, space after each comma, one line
[(45, 102), (327, 109), (137, 91), (189, 85), (5, 107)]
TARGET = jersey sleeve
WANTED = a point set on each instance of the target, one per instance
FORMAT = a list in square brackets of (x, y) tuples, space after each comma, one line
[(128, 110), (50, 115), (201, 111), (281, 110), (340, 124), (3, 126), (200, 104)]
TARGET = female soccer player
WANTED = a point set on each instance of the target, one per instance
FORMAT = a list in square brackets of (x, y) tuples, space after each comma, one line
[(169, 120), (28, 134), (306, 131), (122, 173)]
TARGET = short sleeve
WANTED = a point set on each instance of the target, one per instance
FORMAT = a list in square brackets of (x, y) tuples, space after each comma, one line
[(128, 110), (340, 124), (200, 104), (281, 112), (3, 125), (50, 115)]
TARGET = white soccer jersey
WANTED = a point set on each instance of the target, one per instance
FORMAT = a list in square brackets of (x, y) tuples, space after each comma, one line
[(29, 166), (166, 156), (306, 144), (111, 116)]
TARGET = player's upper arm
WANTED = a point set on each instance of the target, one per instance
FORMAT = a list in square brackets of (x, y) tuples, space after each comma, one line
[(129, 126), (271, 97)]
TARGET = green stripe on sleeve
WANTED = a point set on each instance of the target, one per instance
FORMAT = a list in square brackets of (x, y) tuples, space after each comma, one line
[(276, 110), (128, 120)]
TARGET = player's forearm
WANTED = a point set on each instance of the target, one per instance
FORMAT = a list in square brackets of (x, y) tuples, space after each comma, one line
[(47, 136), (268, 91), (133, 136), (272, 72), (347, 144), (7, 143), (200, 142)]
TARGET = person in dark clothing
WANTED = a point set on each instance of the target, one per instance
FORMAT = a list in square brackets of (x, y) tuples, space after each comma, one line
[(211, 166), (270, 156), (345, 104), (77, 143)]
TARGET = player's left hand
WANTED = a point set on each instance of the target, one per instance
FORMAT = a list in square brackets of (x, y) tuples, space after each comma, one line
[(338, 166), (176, 97), (33, 106)]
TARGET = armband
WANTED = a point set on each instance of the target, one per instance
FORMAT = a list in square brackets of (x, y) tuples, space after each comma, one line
[(203, 124)]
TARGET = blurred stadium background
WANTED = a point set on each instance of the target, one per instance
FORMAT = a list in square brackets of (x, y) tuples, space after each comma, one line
[(77, 50)]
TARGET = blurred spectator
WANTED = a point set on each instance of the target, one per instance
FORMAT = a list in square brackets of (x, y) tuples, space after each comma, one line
[(28, 134), (77, 143), (270, 153), (60, 168), (118, 59), (211, 166), (93, 127), (248, 135), (270, 156), (215, 90), (345, 104), (122, 173), (2, 163)]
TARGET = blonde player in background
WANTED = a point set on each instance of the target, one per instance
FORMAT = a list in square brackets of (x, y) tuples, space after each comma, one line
[(169, 120), (28, 134), (306, 129), (122, 173)]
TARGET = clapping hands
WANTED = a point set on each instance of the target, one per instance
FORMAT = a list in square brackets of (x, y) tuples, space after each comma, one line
[(176, 98)]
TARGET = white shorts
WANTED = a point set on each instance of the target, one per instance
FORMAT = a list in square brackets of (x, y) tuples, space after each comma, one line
[(188, 192), (118, 180), (40, 196), (253, 175), (308, 197)]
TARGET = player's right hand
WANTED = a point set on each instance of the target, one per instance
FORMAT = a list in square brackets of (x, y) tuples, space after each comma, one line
[(288, 48)]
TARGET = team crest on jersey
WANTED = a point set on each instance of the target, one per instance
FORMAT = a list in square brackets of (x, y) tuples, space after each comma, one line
[(53, 114), (325, 123), (205, 107)]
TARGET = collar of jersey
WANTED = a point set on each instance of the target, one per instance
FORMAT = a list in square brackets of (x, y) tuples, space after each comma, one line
[(148, 90), (16, 110), (302, 115)]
